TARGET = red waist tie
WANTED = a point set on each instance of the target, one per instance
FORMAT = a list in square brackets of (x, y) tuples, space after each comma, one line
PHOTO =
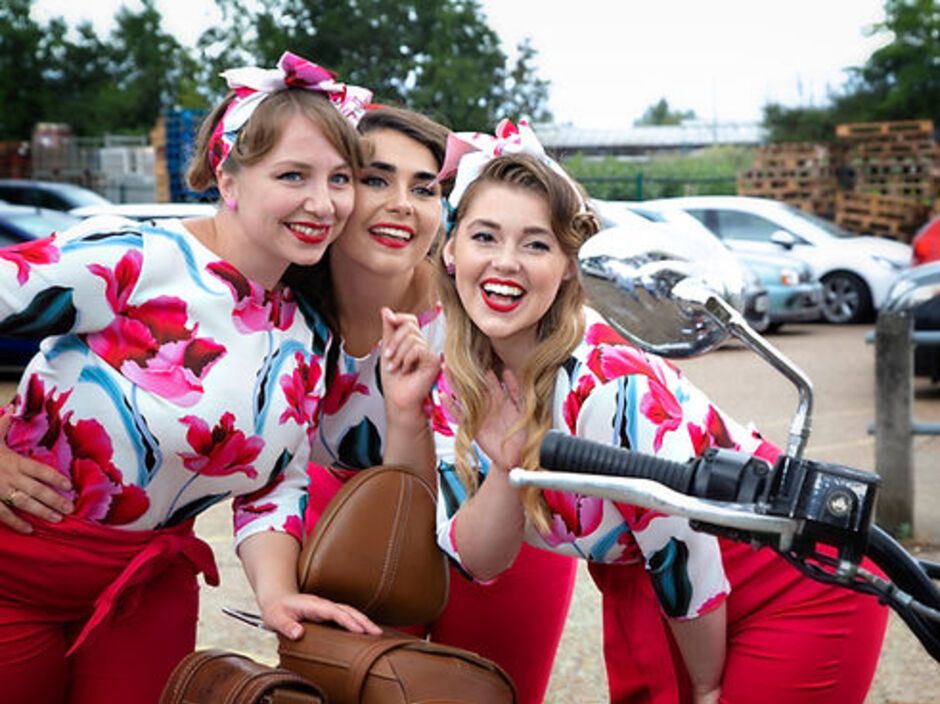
[(143, 555)]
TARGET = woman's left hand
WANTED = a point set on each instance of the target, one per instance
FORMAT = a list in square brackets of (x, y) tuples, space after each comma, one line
[(409, 365)]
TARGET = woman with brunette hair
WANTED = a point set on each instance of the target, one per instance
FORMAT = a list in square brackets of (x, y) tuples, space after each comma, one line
[(384, 258), (139, 404), (522, 356)]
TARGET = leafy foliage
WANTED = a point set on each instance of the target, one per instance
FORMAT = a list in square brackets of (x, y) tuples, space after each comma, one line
[(900, 81), (709, 171), (437, 56), (661, 114)]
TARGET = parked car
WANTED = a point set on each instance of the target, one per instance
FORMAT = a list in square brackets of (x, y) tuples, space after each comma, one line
[(707, 258), (22, 223), (926, 243), (48, 194), (918, 290), (856, 271), (794, 294), (147, 211)]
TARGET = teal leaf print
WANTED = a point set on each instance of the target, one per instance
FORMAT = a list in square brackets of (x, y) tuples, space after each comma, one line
[(51, 312), (668, 568)]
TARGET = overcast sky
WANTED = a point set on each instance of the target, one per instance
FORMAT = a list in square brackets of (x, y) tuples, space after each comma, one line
[(611, 59)]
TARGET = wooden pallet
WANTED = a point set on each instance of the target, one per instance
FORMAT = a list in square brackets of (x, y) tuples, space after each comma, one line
[(876, 214), (900, 130)]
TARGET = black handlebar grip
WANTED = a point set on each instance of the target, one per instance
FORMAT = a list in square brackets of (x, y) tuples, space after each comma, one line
[(563, 453)]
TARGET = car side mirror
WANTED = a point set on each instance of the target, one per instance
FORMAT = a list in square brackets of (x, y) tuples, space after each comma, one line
[(783, 238)]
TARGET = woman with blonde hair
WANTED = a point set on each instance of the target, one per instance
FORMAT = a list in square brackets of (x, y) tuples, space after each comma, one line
[(522, 356)]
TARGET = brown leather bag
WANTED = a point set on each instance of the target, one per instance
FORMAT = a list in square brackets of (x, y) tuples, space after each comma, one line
[(220, 677), (375, 548), (393, 668)]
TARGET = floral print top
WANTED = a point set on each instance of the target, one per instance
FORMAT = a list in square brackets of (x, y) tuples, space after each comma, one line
[(609, 391), (351, 432), (166, 382)]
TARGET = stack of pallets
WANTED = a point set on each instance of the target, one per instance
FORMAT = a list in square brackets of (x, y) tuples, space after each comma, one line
[(892, 174), (801, 174)]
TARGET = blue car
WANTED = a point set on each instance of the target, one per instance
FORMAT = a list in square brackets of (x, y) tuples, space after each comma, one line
[(22, 223), (795, 296)]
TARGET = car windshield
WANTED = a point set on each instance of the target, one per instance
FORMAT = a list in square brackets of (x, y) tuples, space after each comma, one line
[(78, 197), (827, 225), (41, 224)]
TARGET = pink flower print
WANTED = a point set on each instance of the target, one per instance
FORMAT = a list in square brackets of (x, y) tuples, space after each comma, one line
[(612, 362), (714, 433), (256, 309), (101, 493), (575, 400), (246, 514), (150, 343), (81, 451), (662, 408), (601, 334), (29, 254), (340, 390), (300, 389), (295, 527), (438, 416), (221, 452), (37, 429), (573, 516)]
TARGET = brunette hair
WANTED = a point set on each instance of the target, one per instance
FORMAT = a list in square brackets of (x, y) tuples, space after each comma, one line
[(259, 135), (314, 284), (470, 354)]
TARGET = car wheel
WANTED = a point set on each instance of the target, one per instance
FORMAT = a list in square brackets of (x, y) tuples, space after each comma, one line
[(845, 298)]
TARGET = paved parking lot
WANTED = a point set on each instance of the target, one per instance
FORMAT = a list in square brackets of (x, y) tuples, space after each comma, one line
[(841, 366)]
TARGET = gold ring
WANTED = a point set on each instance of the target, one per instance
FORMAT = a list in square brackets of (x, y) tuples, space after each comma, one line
[(8, 499)]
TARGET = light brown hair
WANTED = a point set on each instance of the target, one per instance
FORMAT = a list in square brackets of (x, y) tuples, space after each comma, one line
[(260, 134), (468, 351)]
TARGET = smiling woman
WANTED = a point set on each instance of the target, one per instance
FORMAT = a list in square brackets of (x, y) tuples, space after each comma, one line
[(140, 406)]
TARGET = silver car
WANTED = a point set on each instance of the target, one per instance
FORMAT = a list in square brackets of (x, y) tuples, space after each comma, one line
[(856, 271)]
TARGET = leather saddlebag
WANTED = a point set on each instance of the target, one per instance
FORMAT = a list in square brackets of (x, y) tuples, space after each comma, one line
[(375, 548), (220, 677), (394, 668)]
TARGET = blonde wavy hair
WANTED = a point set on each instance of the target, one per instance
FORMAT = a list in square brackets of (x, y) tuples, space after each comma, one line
[(468, 351)]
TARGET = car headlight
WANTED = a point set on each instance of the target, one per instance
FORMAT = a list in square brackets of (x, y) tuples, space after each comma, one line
[(789, 277), (889, 263)]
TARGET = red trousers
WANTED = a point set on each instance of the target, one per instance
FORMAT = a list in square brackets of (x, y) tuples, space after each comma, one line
[(90, 614), (791, 640)]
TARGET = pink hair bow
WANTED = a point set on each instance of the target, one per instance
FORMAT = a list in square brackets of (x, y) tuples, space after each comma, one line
[(468, 152), (253, 84)]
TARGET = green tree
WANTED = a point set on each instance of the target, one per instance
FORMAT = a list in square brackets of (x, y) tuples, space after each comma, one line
[(661, 114), (902, 79), (436, 56), (24, 54), (899, 81)]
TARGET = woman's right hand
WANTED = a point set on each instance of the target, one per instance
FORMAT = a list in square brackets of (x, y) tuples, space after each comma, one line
[(29, 487), (287, 613)]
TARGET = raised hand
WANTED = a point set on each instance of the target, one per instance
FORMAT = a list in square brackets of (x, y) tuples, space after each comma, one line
[(503, 414), (409, 365)]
